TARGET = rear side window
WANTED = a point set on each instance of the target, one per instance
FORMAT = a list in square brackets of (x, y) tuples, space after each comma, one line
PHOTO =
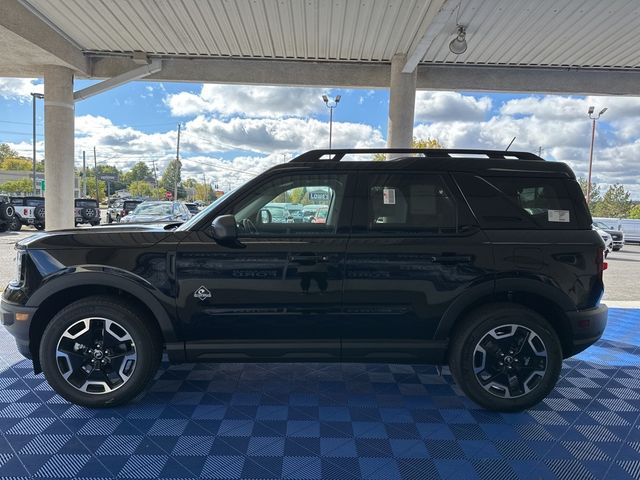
[(523, 202), (416, 203)]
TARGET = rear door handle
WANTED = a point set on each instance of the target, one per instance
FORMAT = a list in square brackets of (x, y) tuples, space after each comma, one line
[(308, 258), (451, 259)]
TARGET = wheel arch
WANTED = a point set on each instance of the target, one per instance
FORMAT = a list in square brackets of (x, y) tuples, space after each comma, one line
[(66, 290), (536, 301)]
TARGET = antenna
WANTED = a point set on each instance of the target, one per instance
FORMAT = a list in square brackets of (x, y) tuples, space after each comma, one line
[(510, 143)]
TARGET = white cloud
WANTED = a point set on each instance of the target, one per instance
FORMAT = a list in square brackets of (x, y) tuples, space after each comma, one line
[(450, 106), (19, 88), (247, 101)]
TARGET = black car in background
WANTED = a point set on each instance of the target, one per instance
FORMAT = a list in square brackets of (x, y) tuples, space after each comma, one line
[(482, 260), (616, 235), (7, 213)]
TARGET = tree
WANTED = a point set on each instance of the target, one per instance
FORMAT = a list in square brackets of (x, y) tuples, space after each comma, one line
[(170, 176), (635, 212), (139, 172), (7, 152), (415, 143), (596, 196), (23, 185), (616, 203), (17, 164), (91, 187), (140, 188), (204, 192)]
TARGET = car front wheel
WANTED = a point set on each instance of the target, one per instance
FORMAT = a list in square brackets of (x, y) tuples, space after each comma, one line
[(99, 352), (505, 357)]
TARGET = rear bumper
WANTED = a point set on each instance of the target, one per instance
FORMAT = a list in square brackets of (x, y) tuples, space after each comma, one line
[(18, 328), (587, 326)]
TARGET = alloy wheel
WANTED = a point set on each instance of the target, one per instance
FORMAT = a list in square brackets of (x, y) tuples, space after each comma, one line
[(96, 355), (510, 360)]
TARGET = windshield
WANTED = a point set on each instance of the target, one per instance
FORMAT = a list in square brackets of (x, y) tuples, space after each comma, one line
[(154, 209), (131, 205), (196, 217), (602, 225)]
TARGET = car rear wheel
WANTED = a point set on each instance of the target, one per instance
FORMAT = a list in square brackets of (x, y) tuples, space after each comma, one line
[(505, 357), (99, 352)]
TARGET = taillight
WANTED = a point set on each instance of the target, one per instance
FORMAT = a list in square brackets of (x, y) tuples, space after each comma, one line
[(601, 264)]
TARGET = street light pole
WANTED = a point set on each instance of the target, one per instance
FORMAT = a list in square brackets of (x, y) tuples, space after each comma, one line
[(41, 96), (331, 104), (593, 137)]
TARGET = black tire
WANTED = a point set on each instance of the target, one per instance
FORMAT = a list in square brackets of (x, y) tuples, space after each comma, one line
[(95, 224), (4, 226), (466, 352), (7, 211), (15, 225), (109, 219), (39, 226), (143, 351), (38, 213)]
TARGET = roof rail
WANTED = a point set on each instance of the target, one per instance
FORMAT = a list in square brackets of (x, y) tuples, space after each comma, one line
[(336, 155)]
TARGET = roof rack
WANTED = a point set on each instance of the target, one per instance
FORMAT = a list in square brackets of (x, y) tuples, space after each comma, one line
[(337, 155)]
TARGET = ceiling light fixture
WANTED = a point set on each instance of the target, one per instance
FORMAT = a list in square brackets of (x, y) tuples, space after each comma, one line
[(459, 44)]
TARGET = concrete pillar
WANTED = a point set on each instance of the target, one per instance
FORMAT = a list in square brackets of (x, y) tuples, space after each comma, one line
[(58, 147), (402, 104)]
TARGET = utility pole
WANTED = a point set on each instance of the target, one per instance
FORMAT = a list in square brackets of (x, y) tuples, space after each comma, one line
[(593, 118), (84, 175), (155, 175), (40, 96), (175, 190), (95, 168)]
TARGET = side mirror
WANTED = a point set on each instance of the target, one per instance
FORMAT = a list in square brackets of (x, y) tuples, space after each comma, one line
[(225, 231), (264, 216)]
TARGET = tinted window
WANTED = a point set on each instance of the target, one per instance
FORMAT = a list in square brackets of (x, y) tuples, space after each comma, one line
[(521, 202), (86, 203), (410, 203), (276, 206)]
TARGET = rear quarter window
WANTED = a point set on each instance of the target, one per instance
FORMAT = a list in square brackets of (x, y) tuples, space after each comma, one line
[(516, 202)]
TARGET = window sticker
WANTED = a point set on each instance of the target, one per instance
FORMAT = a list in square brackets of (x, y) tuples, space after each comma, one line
[(558, 216), (389, 196)]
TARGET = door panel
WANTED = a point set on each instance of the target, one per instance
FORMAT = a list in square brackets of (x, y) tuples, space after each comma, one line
[(277, 298), (406, 264)]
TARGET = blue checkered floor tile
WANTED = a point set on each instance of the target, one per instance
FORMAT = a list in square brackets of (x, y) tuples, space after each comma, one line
[(312, 421)]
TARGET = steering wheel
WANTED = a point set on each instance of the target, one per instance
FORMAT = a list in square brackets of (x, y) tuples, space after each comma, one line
[(248, 226)]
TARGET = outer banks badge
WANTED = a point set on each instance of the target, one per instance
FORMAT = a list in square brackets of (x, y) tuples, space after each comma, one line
[(202, 293)]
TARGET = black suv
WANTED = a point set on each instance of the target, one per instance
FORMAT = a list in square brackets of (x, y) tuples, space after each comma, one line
[(482, 260), (7, 213)]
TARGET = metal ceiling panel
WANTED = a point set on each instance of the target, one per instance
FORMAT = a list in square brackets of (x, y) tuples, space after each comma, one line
[(547, 33)]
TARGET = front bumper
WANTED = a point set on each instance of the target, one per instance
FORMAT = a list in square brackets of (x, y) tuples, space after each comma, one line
[(18, 328), (587, 326)]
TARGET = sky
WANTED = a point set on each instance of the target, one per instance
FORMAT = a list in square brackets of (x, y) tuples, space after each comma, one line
[(231, 133)]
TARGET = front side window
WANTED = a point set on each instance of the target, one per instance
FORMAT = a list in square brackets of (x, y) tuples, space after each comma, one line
[(410, 203), (280, 206)]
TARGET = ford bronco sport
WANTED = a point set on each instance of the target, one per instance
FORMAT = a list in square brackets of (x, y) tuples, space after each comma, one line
[(482, 260)]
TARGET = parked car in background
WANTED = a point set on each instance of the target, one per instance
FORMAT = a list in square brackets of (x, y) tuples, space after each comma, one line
[(122, 209), (606, 238), (7, 213), (28, 211), (193, 208), (631, 229), (113, 209), (158, 211), (318, 214), (86, 210), (617, 235)]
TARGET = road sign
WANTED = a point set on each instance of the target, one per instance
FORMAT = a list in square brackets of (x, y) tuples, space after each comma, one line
[(109, 177), (315, 196)]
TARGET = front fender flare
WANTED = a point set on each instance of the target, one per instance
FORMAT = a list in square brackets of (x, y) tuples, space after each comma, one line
[(112, 278)]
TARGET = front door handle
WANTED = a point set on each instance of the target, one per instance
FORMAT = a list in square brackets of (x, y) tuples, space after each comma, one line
[(451, 259)]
